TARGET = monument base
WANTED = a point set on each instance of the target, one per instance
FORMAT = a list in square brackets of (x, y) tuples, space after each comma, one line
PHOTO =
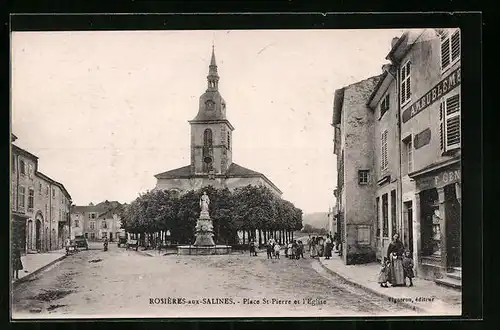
[(203, 250)]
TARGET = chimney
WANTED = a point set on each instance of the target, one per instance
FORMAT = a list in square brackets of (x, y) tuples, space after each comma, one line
[(394, 41), (386, 67)]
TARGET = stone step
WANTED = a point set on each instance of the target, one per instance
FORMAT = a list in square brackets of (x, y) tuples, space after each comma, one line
[(455, 275), (449, 282)]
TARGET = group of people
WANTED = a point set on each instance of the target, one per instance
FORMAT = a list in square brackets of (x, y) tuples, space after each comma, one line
[(293, 250), (320, 247), (397, 266)]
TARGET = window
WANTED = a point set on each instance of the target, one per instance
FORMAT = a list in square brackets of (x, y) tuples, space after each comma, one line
[(87, 235), (363, 176), (449, 117), (53, 192), (384, 105), (450, 47), (31, 198), (92, 215), (22, 167), (30, 171), (363, 235), (92, 225), (92, 235), (385, 215), (207, 138), (104, 225), (405, 83), (228, 141), (77, 223), (393, 212), (384, 160), (22, 192), (377, 207), (47, 191), (409, 154), (40, 188)]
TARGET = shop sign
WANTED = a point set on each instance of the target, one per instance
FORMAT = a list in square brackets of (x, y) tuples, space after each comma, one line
[(439, 180), (440, 90)]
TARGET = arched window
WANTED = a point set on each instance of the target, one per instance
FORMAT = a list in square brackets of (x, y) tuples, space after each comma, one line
[(207, 138)]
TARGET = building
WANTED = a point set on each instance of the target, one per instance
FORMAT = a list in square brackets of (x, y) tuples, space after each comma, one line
[(428, 63), (211, 149), (407, 155), (87, 221), (40, 205), (109, 224), (332, 221), (354, 145), (386, 171)]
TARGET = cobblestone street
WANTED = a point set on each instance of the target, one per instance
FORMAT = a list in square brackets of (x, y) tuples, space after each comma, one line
[(121, 283)]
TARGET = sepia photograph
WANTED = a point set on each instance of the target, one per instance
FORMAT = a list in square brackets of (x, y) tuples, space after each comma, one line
[(235, 173)]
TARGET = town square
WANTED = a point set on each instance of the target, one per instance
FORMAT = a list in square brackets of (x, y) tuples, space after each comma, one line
[(239, 173)]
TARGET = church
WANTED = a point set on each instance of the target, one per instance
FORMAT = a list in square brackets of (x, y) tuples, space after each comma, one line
[(211, 149)]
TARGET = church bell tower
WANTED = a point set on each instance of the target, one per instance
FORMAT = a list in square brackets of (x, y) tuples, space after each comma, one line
[(211, 132)]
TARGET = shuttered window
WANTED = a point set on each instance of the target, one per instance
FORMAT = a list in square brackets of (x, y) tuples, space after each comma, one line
[(384, 105), (450, 47), (405, 91), (452, 122), (383, 158)]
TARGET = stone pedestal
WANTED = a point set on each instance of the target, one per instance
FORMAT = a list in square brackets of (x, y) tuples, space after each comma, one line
[(204, 231)]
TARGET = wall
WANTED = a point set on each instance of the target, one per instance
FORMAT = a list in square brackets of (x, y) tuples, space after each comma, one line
[(358, 145)]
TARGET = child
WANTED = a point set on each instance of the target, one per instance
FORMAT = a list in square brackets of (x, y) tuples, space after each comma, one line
[(301, 250), (383, 276), (290, 250), (408, 267), (277, 250)]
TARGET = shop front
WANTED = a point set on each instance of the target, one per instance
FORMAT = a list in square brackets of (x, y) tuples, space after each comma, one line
[(438, 198)]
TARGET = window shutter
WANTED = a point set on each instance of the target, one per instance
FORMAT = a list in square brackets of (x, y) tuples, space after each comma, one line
[(455, 45), (445, 50), (452, 122), (441, 126), (384, 160)]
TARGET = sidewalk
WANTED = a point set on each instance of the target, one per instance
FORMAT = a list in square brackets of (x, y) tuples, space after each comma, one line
[(36, 262), (425, 296)]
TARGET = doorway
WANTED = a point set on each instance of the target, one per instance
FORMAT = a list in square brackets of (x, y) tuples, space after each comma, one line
[(38, 235), (453, 228), (409, 225), (111, 237)]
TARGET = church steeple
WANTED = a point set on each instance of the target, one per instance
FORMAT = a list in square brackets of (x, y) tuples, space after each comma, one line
[(213, 76)]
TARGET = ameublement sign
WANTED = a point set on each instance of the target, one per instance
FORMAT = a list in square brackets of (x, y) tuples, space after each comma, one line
[(437, 92)]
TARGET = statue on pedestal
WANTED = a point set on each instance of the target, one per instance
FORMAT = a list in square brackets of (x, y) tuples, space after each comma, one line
[(204, 202)]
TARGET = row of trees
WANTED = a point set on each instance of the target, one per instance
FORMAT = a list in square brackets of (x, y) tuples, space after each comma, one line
[(253, 210)]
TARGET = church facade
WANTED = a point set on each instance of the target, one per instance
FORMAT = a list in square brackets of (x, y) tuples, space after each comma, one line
[(211, 149)]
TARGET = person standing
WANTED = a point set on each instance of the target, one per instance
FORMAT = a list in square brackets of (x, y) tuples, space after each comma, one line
[(308, 243), (328, 247), (251, 248), (395, 255), (17, 264), (314, 251)]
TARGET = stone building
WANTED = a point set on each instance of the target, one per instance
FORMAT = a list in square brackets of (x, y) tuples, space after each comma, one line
[(86, 221), (40, 205), (428, 63), (386, 172), (211, 149), (354, 124), (109, 224)]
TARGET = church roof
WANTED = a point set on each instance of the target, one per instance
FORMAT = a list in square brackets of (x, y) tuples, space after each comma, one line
[(181, 172), (234, 171)]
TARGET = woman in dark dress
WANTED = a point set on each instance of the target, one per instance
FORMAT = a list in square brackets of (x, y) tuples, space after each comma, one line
[(328, 247), (395, 252), (17, 264)]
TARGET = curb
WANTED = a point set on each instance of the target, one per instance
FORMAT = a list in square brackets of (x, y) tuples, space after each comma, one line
[(37, 271), (356, 284)]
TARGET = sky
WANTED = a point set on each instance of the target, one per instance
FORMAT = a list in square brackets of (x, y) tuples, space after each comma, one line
[(107, 110)]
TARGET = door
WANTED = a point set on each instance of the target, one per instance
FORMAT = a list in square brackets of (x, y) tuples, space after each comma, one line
[(453, 229), (38, 235), (111, 237), (409, 225)]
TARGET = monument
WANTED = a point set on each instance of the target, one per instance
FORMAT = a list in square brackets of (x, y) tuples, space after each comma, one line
[(204, 243)]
